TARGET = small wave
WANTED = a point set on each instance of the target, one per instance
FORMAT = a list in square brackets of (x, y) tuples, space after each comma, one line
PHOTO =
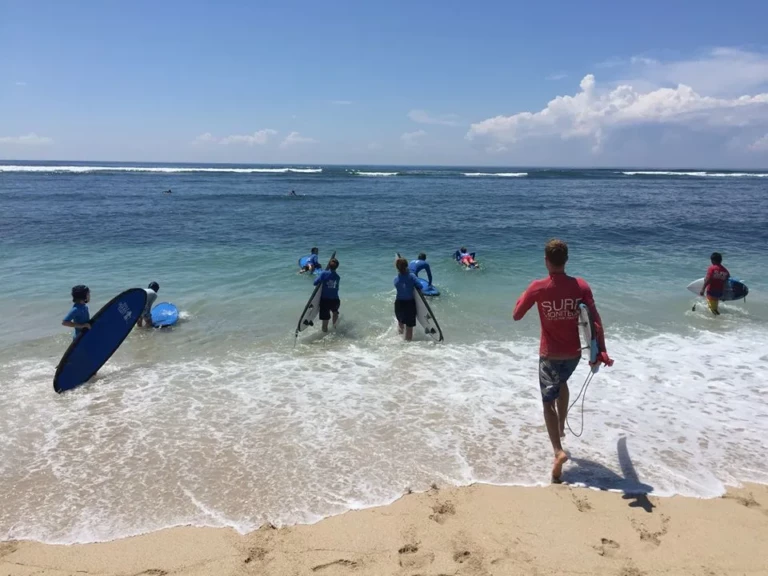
[(357, 173), (155, 169), (498, 174), (697, 174)]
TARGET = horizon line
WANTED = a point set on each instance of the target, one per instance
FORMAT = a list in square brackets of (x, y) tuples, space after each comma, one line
[(335, 164)]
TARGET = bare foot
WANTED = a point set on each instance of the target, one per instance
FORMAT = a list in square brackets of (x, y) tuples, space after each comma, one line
[(557, 468)]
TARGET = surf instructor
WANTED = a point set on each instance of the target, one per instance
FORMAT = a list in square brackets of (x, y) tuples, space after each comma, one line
[(558, 297)]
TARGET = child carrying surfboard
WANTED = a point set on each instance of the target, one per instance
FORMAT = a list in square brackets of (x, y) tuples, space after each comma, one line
[(79, 316)]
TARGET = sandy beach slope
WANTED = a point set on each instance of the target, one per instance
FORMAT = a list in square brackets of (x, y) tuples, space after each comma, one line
[(473, 531)]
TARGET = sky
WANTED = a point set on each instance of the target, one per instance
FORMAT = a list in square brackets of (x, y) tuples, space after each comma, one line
[(486, 83)]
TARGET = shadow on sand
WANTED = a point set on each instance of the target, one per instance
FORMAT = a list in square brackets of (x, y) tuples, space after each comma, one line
[(594, 475)]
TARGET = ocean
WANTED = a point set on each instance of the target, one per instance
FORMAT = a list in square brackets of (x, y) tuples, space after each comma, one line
[(225, 420)]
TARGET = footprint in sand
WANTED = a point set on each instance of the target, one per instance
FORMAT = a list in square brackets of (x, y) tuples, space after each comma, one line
[(582, 504), (652, 537), (747, 501), (152, 572), (441, 511), (7, 548), (631, 570), (256, 554), (411, 558), (607, 547)]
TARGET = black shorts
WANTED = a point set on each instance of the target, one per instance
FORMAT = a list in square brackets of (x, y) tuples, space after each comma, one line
[(328, 305), (405, 312)]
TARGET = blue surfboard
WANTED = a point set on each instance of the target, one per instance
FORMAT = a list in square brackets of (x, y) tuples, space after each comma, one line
[(164, 314), (428, 290), (92, 348)]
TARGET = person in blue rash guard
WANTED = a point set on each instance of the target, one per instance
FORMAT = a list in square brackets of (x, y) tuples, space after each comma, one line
[(79, 316), (420, 264), (405, 305), (329, 297), (313, 263)]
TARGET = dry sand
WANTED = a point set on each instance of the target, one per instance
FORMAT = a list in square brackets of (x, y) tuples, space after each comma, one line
[(477, 530)]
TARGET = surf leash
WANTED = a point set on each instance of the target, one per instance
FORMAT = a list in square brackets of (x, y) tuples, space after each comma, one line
[(583, 395)]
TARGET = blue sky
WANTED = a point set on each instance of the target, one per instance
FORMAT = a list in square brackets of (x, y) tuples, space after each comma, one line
[(482, 83)]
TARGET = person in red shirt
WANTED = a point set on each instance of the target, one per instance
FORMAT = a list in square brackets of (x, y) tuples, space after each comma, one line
[(558, 297), (715, 281)]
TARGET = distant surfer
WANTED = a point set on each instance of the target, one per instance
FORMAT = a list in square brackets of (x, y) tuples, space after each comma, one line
[(466, 259), (167, 191), (329, 297), (558, 297), (146, 315), (715, 282), (420, 264), (312, 262), (405, 305), (293, 193), (79, 316)]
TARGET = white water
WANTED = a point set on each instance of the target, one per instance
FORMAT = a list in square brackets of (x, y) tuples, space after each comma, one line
[(154, 169), (240, 438)]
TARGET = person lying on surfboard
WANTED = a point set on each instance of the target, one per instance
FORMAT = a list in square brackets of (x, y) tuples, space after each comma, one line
[(329, 297), (714, 282), (558, 297), (313, 262), (79, 316), (405, 305), (420, 264), (466, 259)]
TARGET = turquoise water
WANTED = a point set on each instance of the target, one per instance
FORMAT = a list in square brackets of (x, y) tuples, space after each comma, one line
[(222, 421)]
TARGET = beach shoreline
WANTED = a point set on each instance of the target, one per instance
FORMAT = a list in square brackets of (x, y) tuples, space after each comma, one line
[(473, 530)]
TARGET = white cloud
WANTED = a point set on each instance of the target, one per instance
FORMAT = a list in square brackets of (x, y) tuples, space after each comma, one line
[(760, 145), (20, 83), (591, 112), (294, 138), (30, 139), (412, 138), (259, 138), (342, 102), (374, 146), (558, 76), (424, 117), (718, 72)]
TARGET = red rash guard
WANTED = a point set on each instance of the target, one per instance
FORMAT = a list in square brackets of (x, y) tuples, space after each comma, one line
[(558, 298), (717, 276)]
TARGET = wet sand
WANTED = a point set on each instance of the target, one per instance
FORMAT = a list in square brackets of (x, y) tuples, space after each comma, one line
[(478, 530)]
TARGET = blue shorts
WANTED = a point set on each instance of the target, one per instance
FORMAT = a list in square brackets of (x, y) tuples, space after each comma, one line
[(554, 373)]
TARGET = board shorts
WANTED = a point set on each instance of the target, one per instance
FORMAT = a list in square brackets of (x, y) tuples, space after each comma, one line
[(405, 312), (553, 374), (328, 305)]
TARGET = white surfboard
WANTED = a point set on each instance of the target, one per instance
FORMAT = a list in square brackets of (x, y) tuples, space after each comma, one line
[(425, 316), (312, 309), (734, 289)]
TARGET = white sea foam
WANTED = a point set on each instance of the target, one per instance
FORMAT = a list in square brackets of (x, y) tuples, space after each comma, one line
[(286, 436), (698, 174), (498, 174), (359, 173), (155, 169)]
